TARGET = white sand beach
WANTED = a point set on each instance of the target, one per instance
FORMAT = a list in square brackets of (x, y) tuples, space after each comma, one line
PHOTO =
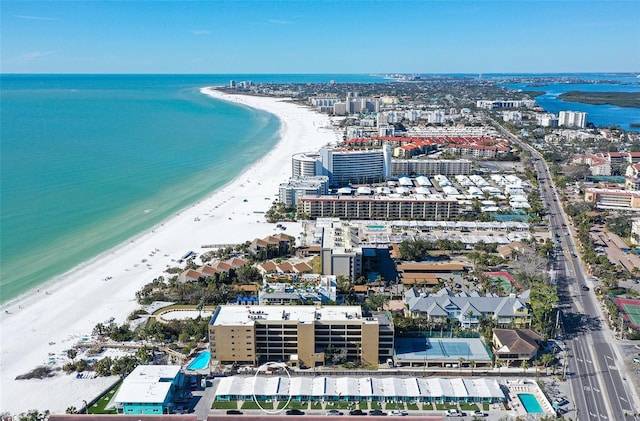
[(38, 328)]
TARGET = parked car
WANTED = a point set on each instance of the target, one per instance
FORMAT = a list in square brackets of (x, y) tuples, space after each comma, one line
[(479, 414), (378, 413), (294, 412), (585, 288), (398, 413), (636, 360), (334, 412), (453, 413), (234, 412), (357, 412)]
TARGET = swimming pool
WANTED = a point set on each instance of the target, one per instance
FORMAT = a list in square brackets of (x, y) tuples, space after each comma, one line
[(530, 403), (200, 362)]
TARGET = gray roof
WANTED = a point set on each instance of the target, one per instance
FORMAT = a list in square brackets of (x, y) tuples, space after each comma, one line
[(443, 300)]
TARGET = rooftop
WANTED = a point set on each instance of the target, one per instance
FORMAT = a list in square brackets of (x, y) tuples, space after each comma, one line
[(247, 315)]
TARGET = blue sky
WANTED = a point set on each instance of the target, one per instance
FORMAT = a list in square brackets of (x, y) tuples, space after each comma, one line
[(319, 36)]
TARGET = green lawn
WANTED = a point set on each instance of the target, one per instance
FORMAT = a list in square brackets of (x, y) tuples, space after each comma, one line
[(98, 407), (224, 405), (375, 405), (394, 405), (485, 406), (445, 406), (316, 405), (254, 405), (427, 406), (339, 405), (412, 407), (468, 406)]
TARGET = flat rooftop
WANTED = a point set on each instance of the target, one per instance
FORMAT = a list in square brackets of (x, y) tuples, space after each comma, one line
[(248, 315)]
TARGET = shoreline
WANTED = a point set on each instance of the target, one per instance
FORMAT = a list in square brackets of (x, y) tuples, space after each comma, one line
[(55, 316)]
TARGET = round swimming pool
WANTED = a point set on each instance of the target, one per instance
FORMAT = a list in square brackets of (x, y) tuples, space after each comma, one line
[(200, 362)]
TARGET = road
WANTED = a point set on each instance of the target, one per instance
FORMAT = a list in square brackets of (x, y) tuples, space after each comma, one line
[(597, 382)]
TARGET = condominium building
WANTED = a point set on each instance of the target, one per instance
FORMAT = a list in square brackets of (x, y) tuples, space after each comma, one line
[(494, 105), (597, 164), (379, 207), (572, 119), (360, 166), (468, 309), (613, 198), (430, 167), (298, 335), (340, 253), (305, 164), (291, 191)]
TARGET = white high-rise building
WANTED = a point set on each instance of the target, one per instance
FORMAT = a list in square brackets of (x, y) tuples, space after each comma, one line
[(572, 119)]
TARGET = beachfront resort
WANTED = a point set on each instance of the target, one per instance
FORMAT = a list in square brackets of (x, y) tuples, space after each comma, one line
[(403, 261)]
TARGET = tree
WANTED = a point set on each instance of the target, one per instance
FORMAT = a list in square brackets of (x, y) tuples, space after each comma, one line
[(524, 365), (377, 302), (123, 366), (71, 410), (34, 415), (72, 353), (102, 367)]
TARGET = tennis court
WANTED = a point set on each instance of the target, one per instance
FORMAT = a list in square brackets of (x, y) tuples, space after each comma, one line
[(440, 349), (505, 281), (630, 310)]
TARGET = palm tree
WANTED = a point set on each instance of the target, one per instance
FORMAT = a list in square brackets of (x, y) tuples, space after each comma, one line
[(524, 365), (472, 364)]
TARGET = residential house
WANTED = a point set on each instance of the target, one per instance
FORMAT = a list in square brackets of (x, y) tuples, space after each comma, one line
[(515, 345)]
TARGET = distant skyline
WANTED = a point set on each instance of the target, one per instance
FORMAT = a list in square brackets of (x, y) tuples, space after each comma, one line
[(210, 37)]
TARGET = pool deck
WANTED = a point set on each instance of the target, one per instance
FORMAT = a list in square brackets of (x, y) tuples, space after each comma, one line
[(514, 387)]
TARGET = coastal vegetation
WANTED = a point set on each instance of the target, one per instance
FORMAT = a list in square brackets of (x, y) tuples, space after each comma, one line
[(621, 99)]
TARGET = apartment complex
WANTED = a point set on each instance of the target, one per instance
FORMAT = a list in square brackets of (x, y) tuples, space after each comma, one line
[(468, 309), (572, 119), (362, 166), (379, 207), (497, 104), (340, 253), (291, 191), (302, 335), (613, 198), (430, 166)]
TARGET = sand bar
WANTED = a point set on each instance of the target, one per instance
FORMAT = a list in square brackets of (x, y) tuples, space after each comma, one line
[(44, 323)]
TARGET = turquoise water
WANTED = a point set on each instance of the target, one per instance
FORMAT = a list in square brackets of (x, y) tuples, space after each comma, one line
[(200, 362), (530, 403), (89, 161)]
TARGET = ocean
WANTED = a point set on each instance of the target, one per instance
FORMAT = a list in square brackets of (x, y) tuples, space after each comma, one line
[(89, 161)]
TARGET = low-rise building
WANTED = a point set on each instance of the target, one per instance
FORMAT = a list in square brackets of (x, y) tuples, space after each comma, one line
[(515, 345), (613, 198), (468, 308), (149, 389)]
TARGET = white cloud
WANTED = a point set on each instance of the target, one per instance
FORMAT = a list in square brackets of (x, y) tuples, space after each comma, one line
[(27, 57), (34, 17), (279, 22)]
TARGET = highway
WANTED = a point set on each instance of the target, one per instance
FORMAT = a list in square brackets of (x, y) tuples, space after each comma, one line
[(597, 382)]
